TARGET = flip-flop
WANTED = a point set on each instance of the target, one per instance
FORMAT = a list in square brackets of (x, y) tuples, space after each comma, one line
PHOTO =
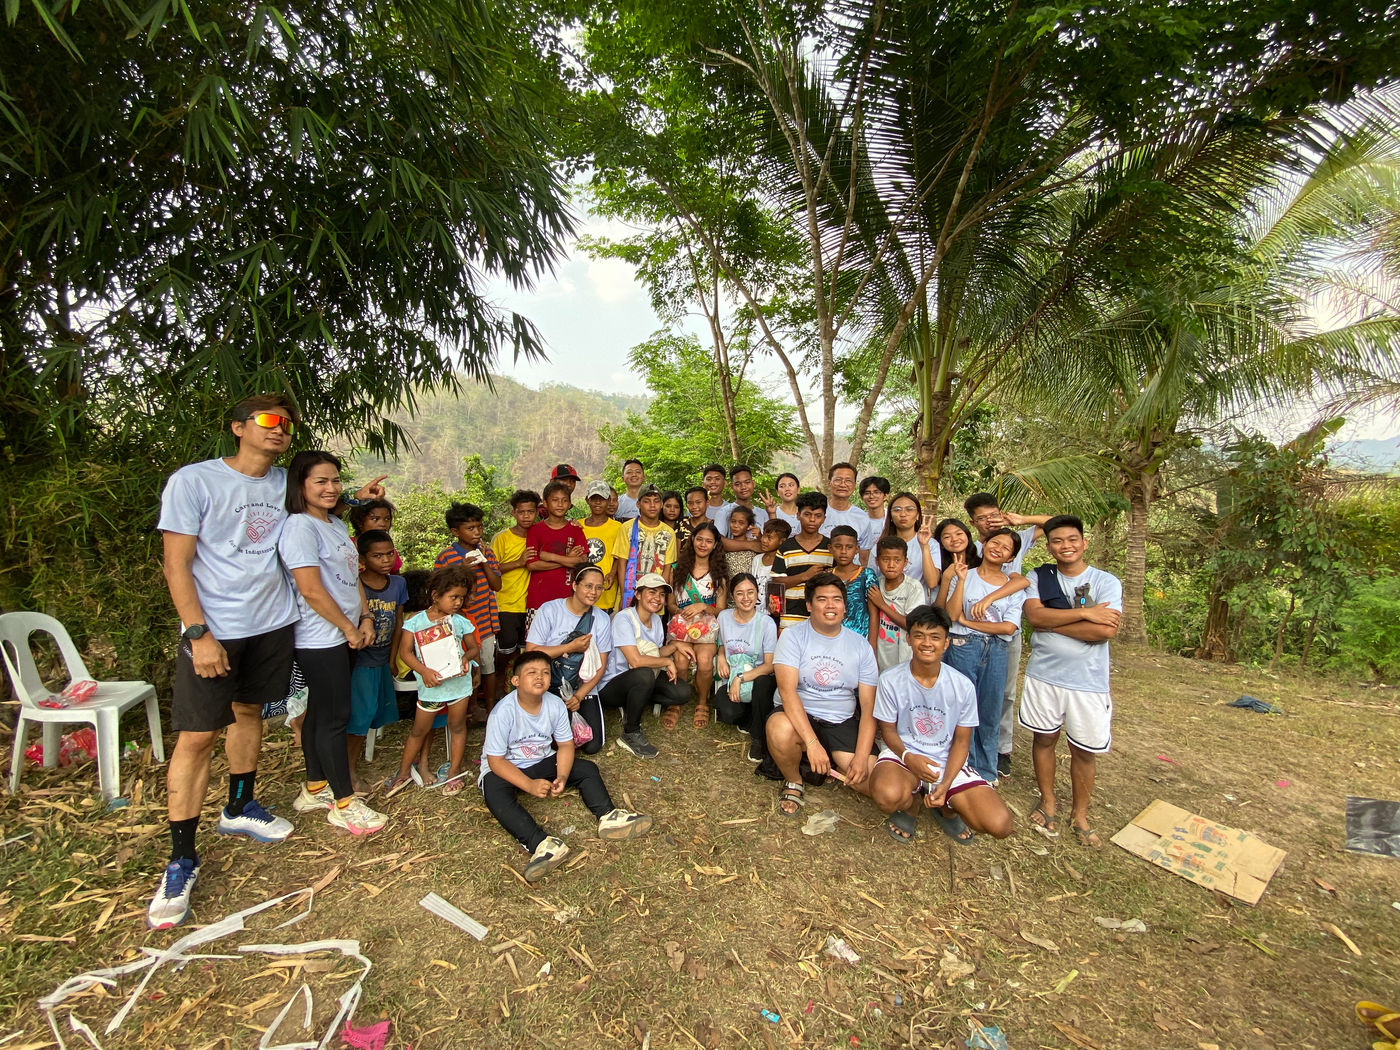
[(791, 792), (391, 789), (1051, 826), (1382, 1018), (900, 827), (453, 787), (1086, 836), (955, 828)]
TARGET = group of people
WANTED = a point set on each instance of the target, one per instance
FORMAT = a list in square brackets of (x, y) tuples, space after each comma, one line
[(852, 642)]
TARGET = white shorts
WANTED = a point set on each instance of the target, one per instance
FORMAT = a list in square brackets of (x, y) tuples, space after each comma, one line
[(487, 659), (1085, 717), (965, 778)]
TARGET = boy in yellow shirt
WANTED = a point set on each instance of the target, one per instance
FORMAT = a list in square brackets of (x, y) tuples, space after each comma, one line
[(509, 547)]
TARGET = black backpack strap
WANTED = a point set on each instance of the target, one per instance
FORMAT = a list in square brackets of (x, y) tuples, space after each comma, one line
[(1047, 583)]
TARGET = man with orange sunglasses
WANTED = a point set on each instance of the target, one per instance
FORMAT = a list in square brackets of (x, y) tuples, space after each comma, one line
[(220, 520)]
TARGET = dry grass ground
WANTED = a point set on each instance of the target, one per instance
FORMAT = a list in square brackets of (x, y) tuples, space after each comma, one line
[(681, 938)]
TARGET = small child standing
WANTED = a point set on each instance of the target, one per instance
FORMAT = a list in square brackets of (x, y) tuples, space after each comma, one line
[(894, 599), (859, 580), (374, 515), (448, 589), (517, 757), (466, 522), (770, 599), (372, 703), (509, 547), (739, 524)]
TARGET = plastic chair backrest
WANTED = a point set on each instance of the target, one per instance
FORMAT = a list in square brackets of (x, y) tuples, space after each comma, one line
[(15, 630)]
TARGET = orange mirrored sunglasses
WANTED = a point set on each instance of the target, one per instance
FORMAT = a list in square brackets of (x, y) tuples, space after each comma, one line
[(272, 419)]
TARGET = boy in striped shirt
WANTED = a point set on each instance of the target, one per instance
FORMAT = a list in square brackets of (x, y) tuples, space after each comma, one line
[(465, 521)]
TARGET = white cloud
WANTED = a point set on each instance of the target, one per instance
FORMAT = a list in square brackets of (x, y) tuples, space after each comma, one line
[(613, 280)]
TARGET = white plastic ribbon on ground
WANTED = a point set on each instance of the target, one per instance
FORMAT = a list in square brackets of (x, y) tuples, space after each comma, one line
[(181, 952)]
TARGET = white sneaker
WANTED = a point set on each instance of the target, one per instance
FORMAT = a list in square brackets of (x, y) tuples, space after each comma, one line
[(256, 823), (548, 855), (306, 802), (356, 818), (171, 903), (621, 824)]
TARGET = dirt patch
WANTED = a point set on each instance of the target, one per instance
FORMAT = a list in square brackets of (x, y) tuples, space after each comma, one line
[(682, 938)]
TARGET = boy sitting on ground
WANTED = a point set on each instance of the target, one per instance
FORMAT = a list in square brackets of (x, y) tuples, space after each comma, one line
[(517, 757), (926, 713)]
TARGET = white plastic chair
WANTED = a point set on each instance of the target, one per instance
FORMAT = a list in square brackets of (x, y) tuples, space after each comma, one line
[(103, 710)]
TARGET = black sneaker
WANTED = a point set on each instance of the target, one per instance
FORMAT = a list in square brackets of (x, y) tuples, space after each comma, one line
[(1004, 765), (757, 752), (637, 743)]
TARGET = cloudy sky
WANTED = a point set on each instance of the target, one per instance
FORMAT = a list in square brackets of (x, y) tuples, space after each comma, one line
[(592, 311)]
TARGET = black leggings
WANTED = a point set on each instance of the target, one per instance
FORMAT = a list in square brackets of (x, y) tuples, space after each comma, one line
[(752, 716), (635, 689), (327, 673), (502, 801)]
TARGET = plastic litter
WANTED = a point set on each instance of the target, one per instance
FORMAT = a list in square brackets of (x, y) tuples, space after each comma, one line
[(443, 910), (76, 693), (656, 780), (77, 746), (770, 1015), (985, 1037), (899, 1000), (821, 823), (1251, 703), (371, 1037), (563, 916), (837, 948), (1126, 925)]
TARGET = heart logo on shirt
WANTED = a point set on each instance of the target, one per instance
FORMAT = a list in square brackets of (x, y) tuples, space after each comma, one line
[(926, 723), (258, 528)]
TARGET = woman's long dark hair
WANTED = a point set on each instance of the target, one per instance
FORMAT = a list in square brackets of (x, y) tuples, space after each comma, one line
[(890, 529), (971, 555), (685, 561), (297, 471)]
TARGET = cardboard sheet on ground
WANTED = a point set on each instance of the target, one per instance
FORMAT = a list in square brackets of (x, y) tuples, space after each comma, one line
[(1209, 854), (1373, 826)]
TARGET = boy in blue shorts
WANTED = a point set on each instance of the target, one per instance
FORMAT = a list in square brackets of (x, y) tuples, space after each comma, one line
[(530, 747), (925, 712), (372, 702)]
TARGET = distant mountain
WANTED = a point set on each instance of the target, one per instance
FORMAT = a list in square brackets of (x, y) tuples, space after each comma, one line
[(1372, 454), (520, 431)]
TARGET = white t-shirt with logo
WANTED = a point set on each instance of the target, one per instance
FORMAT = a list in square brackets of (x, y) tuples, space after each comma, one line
[(308, 542), (1003, 610), (627, 629), (856, 516), (924, 718), (738, 638), (236, 521), (1058, 659), (829, 670), (521, 738)]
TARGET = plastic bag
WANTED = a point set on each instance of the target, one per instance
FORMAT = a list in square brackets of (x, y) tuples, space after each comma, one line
[(583, 732)]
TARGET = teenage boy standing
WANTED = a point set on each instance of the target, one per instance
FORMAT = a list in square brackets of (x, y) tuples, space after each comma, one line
[(741, 484), (712, 479), (645, 544), (634, 475), (601, 531), (986, 517), (1074, 609), (220, 521)]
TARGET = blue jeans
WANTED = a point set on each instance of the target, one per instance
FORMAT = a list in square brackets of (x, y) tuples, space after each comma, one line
[(982, 657)]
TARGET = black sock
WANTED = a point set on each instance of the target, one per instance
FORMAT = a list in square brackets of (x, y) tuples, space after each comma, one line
[(182, 839), (240, 792)]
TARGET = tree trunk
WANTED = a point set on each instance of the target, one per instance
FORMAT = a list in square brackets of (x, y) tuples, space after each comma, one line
[(1308, 641), (931, 450), (1134, 626), (1215, 637), (1283, 626)]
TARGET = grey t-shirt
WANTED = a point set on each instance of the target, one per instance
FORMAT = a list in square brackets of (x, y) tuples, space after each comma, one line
[(926, 719), (738, 638), (829, 670), (721, 518), (626, 507), (891, 644), (627, 629), (308, 542), (1003, 610), (236, 521), (1067, 662), (521, 738), (1027, 536), (856, 516)]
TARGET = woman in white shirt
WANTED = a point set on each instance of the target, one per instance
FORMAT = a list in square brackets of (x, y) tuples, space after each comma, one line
[(564, 629), (640, 669), (747, 640)]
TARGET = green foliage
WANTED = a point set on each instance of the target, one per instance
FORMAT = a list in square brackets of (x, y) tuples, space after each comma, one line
[(1366, 637), (683, 427), (420, 531)]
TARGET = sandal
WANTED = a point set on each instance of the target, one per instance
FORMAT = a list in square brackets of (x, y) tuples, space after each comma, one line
[(1383, 1018), (795, 794), (702, 716), (671, 717), (1048, 825), (1087, 836), (391, 788), (954, 827), (900, 826), (452, 787)]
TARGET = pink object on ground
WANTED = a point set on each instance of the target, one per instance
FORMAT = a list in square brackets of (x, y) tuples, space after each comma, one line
[(371, 1037)]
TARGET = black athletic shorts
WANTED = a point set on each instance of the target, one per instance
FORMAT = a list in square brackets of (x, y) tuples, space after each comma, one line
[(260, 668), (833, 736), (511, 637)]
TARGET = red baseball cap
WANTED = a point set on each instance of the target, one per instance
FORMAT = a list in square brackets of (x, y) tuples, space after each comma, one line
[(563, 472)]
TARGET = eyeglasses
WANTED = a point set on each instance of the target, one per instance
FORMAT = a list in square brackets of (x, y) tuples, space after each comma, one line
[(272, 419)]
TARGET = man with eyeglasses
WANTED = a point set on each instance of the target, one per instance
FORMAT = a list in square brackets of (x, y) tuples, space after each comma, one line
[(220, 520), (986, 517)]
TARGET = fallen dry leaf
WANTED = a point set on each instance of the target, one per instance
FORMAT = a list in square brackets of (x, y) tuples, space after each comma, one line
[(1075, 1036), (1039, 942)]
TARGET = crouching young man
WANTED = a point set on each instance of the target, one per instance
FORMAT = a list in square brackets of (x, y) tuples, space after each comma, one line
[(926, 714)]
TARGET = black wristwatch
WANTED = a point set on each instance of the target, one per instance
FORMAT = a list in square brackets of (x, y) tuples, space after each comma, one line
[(194, 630)]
